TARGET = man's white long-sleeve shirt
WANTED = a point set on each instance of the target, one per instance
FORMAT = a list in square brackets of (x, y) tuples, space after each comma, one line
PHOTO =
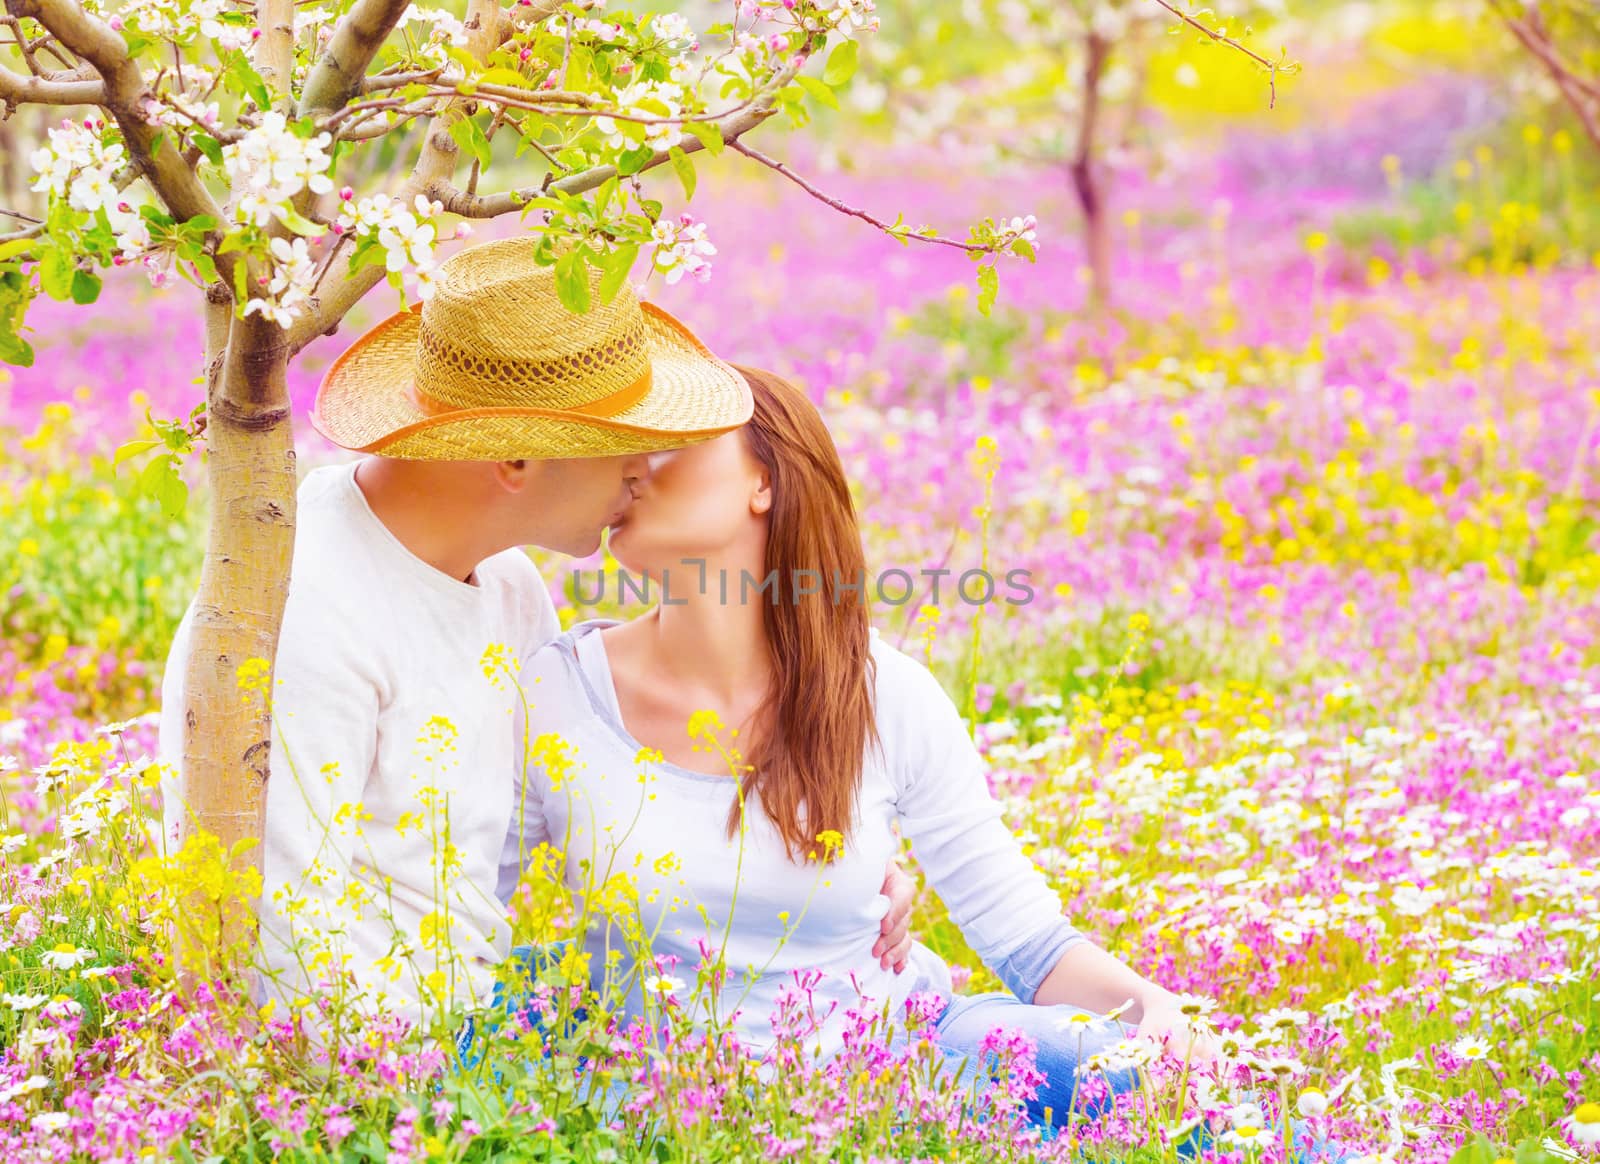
[(397, 746)]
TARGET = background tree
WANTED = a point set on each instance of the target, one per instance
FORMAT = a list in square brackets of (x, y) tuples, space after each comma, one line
[(1562, 39), (221, 148), (1051, 82)]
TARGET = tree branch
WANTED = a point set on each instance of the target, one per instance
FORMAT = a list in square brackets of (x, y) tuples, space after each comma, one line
[(176, 184), (338, 74), (435, 164), (382, 82), (493, 205), (1272, 67), (26, 232), (1582, 96), (15, 89), (274, 50), (852, 211)]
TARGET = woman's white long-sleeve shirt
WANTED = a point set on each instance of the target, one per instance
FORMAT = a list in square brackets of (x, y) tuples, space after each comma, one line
[(664, 826)]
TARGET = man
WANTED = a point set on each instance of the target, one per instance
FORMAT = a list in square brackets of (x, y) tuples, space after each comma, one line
[(495, 419)]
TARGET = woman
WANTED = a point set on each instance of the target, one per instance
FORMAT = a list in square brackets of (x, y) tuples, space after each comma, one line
[(837, 738)]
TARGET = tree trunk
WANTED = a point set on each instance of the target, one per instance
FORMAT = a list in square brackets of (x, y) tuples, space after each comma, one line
[(1097, 243), (1088, 181), (244, 584)]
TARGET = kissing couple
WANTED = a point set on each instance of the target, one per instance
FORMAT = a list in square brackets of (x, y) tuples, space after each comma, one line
[(435, 729)]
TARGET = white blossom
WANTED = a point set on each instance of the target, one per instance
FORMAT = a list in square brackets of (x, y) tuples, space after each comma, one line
[(407, 235), (674, 28), (270, 165), (288, 288), (24, 1087), (66, 957), (663, 984), (682, 249), (78, 164), (659, 99)]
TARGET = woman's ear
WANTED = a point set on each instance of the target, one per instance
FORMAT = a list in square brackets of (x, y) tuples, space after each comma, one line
[(761, 499)]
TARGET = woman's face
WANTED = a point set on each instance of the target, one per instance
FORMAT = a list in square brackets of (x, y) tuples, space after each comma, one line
[(707, 501)]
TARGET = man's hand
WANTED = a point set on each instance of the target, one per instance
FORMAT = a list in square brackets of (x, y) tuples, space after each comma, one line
[(894, 942)]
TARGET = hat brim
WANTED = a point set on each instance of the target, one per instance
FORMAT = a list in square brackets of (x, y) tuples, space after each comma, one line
[(365, 403)]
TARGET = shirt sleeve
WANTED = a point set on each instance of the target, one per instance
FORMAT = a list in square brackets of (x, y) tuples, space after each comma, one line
[(1001, 901), (548, 688), (326, 697), (170, 735), (325, 702)]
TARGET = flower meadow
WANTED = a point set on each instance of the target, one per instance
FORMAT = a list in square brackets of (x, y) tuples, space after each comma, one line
[(1299, 707)]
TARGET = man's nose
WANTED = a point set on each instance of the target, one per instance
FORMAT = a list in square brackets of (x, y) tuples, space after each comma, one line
[(636, 466)]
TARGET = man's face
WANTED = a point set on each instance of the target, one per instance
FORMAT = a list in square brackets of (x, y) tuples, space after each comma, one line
[(574, 500)]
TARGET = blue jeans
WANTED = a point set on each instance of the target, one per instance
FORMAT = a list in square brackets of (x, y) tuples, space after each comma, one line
[(526, 961), (1062, 1043), (969, 1018)]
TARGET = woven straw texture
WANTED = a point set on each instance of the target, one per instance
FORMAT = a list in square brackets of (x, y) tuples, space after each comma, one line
[(493, 367)]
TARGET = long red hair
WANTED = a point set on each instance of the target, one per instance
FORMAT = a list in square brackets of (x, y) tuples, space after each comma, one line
[(810, 736)]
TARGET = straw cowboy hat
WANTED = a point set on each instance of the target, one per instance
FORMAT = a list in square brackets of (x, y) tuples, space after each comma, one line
[(494, 367)]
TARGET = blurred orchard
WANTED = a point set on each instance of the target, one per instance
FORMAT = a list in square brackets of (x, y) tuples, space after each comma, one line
[(1265, 338)]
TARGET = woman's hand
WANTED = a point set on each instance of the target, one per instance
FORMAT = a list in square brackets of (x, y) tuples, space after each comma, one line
[(894, 942), (1164, 1021)]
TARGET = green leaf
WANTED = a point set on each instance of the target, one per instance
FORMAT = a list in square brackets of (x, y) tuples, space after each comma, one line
[(302, 225), (604, 195), (249, 81), (544, 202), (684, 168), (241, 284), (1474, 1151), (470, 138), (209, 146), (988, 288), (1024, 248), (159, 479), (85, 286), (15, 350), (500, 75), (207, 267), (232, 241), (368, 253), (709, 133), (172, 493), (818, 90), (1532, 1151), (841, 64), (55, 273), (634, 160), (130, 450), (572, 282), (616, 266), (201, 224), (17, 246), (60, 219)]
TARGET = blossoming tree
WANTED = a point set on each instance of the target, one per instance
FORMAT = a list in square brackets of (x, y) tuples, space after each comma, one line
[(1039, 81), (1562, 39), (217, 152)]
